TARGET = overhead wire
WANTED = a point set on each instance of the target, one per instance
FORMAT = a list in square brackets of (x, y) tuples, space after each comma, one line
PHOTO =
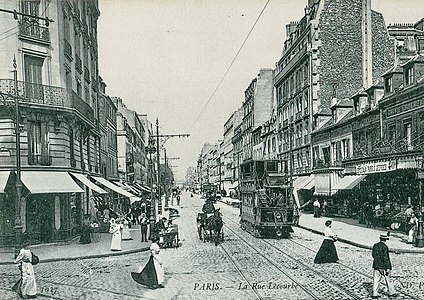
[(228, 69)]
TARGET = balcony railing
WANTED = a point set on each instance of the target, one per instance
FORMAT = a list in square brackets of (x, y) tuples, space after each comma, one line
[(78, 63), (68, 50), (31, 29), (48, 95), (87, 75), (37, 159), (94, 84)]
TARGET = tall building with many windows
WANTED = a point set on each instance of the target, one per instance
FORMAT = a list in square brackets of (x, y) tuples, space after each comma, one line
[(336, 49), (54, 44)]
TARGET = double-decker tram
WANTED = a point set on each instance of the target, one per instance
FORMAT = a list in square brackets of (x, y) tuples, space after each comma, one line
[(267, 206)]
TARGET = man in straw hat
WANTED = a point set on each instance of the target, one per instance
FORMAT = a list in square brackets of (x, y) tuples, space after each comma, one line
[(382, 267)]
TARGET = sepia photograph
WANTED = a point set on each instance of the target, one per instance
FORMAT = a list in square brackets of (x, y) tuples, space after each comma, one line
[(211, 149)]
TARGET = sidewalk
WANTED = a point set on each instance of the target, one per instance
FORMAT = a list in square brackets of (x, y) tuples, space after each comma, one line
[(73, 250), (357, 235)]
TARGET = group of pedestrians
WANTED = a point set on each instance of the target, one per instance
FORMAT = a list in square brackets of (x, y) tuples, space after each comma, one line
[(320, 209), (382, 266)]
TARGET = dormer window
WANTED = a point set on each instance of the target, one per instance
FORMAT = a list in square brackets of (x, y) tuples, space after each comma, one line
[(389, 85), (409, 76)]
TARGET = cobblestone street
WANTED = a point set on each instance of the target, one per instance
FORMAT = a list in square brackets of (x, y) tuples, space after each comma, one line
[(199, 270)]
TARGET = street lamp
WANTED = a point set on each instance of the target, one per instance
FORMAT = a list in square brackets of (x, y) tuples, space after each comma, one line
[(151, 149), (419, 241), (18, 223)]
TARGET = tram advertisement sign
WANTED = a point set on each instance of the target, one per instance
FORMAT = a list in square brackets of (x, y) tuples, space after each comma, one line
[(375, 167)]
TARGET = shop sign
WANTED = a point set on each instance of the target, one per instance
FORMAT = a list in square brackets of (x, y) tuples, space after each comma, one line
[(376, 167)]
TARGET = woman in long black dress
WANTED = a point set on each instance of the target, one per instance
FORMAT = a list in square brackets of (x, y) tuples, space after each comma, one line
[(327, 252)]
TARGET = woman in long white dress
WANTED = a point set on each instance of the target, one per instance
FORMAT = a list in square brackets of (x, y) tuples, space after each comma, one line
[(115, 229), (26, 287), (126, 235), (413, 222)]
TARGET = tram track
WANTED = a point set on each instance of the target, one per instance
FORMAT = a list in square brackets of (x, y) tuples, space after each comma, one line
[(312, 283), (341, 264)]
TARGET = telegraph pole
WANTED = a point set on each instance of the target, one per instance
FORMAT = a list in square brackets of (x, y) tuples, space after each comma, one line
[(167, 136), (18, 222), (158, 166)]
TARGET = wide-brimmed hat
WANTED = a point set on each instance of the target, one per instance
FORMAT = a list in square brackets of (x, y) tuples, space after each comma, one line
[(328, 223)]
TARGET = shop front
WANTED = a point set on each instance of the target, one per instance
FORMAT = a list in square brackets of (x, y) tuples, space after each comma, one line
[(380, 191), (45, 206)]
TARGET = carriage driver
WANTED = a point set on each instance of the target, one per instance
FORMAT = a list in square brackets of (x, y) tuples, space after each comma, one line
[(208, 207)]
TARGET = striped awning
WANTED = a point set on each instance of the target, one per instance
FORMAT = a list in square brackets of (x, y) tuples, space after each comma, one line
[(142, 187), (85, 181), (133, 198)]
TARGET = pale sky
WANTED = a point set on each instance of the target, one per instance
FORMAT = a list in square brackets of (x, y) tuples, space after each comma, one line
[(165, 58)]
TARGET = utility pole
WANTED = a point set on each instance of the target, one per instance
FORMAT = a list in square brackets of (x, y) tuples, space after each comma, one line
[(220, 179), (167, 136), (18, 222), (158, 166)]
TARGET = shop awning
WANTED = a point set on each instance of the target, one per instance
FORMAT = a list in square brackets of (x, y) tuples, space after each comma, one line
[(309, 183), (349, 182), (142, 187), (49, 182), (85, 181), (299, 182), (4, 177), (116, 189)]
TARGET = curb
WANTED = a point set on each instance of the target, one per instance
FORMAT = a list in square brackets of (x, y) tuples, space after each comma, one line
[(85, 256), (392, 250)]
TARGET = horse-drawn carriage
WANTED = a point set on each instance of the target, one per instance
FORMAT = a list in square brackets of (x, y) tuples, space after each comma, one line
[(209, 226)]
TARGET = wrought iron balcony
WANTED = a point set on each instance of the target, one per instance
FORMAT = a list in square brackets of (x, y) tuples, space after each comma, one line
[(68, 50), (87, 75), (78, 63), (46, 95), (31, 29), (94, 84)]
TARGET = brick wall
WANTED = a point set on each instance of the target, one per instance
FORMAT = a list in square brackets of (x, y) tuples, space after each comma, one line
[(340, 32), (382, 48), (263, 97), (341, 51)]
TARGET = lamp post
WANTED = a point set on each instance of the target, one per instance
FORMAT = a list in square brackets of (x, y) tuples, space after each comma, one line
[(151, 149), (419, 240), (18, 223)]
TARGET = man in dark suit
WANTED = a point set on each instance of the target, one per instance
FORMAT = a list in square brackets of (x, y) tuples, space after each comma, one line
[(382, 267)]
